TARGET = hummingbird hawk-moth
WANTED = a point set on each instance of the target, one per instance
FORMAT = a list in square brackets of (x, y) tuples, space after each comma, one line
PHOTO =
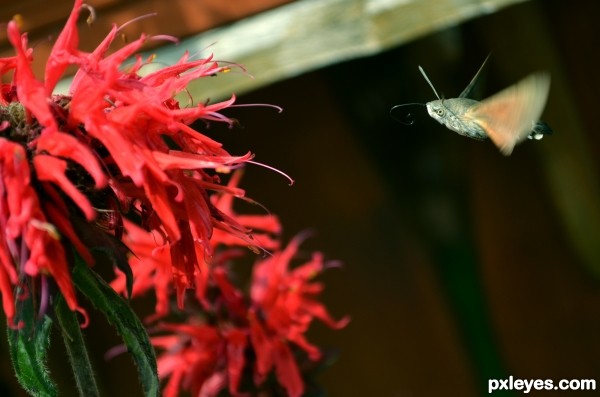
[(507, 118)]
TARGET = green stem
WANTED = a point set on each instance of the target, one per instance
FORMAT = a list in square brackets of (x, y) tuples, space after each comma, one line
[(76, 349), (28, 348)]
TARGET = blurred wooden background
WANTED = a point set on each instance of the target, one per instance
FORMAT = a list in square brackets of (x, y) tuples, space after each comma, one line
[(460, 264)]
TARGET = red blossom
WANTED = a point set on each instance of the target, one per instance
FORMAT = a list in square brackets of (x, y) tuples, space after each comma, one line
[(214, 222), (285, 299), (270, 322), (22, 217), (110, 130), (102, 150), (195, 359)]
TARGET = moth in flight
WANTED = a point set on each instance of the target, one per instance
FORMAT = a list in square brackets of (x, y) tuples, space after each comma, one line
[(507, 118)]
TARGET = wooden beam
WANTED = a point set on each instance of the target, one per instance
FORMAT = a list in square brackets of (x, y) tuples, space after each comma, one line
[(281, 42), (310, 34)]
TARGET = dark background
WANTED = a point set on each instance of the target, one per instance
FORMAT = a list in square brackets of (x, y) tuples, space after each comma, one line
[(460, 264)]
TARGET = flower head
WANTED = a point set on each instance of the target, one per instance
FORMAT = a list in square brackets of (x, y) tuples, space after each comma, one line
[(117, 144), (268, 323), (114, 166)]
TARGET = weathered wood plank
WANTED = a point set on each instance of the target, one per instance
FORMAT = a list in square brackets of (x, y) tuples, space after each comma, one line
[(276, 44), (179, 18), (309, 34)]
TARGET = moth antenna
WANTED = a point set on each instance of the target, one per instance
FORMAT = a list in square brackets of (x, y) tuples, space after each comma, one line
[(428, 81), (467, 91), (410, 119)]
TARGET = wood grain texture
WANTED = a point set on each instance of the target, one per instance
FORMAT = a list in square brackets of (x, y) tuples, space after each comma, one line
[(310, 34), (272, 45)]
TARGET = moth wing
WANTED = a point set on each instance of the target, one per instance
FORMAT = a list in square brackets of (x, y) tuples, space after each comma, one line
[(509, 116)]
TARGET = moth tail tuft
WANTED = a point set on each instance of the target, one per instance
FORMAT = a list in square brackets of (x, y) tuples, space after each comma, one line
[(540, 129)]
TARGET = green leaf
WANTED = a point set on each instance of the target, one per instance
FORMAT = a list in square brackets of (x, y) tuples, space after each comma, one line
[(128, 325), (28, 347), (76, 349)]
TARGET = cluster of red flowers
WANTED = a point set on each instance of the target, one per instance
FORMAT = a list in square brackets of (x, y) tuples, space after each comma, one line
[(209, 356), (117, 156)]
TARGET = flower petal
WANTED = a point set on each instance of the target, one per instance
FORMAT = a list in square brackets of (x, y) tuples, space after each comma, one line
[(30, 91), (52, 169), (64, 145), (237, 341), (287, 370), (61, 55)]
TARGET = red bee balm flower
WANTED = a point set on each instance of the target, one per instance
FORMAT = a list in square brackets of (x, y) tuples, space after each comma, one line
[(114, 167), (269, 322), (103, 149)]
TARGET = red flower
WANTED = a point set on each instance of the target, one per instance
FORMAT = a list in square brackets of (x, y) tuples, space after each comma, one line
[(201, 358), (152, 263), (285, 299), (102, 148), (116, 157), (271, 322), (22, 218)]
